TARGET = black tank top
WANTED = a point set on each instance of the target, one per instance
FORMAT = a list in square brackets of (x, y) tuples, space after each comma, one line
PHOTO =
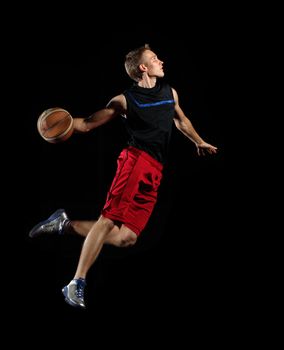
[(149, 118)]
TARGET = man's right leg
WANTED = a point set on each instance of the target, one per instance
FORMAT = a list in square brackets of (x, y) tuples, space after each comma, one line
[(101, 232), (74, 291)]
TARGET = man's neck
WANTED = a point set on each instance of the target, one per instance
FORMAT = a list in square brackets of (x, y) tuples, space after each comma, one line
[(147, 82)]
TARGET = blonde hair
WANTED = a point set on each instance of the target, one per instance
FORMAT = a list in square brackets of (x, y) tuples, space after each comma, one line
[(133, 60)]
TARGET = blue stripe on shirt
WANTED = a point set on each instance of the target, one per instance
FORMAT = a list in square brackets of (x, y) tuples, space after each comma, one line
[(144, 105)]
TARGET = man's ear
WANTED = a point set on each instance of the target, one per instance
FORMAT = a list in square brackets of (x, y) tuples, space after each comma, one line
[(142, 67)]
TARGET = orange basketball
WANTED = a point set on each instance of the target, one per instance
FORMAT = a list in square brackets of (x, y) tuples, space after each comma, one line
[(55, 125)]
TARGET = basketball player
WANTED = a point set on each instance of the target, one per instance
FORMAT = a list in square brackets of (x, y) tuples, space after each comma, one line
[(150, 107)]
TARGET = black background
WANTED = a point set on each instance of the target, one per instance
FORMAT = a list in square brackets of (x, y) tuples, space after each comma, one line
[(180, 262)]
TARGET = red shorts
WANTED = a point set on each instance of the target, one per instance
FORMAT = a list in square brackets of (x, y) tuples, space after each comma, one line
[(133, 193)]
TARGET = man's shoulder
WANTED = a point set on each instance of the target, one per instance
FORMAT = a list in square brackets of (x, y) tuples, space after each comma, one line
[(129, 88), (165, 85)]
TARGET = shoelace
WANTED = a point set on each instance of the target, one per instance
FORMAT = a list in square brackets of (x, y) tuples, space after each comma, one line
[(80, 290)]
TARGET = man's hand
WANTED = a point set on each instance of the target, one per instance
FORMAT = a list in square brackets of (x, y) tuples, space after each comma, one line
[(80, 126), (204, 148)]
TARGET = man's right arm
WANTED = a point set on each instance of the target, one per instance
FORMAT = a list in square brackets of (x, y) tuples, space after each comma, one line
[(115, 107)]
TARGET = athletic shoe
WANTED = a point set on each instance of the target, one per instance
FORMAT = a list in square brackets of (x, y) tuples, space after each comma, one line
[(54, 224), (74, 293)]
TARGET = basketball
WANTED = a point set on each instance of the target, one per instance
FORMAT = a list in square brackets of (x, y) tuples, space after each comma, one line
[(55, 125)]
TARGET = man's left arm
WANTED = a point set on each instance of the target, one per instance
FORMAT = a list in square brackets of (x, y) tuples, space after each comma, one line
[(185, 126)]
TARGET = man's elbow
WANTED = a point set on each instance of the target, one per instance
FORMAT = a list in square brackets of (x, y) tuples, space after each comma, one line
[(180, 125)]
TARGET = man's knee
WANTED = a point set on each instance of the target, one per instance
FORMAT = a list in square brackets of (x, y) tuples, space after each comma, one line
[(127, 239), (108, 223)]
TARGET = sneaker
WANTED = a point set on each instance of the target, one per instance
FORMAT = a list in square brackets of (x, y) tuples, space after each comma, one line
[(74, 293), (54, 224)]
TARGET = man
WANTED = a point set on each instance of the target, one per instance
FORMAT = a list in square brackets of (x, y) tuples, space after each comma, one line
[(149, 107)]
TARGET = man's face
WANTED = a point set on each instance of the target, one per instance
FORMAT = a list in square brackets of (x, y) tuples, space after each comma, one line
[(153, 64)]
